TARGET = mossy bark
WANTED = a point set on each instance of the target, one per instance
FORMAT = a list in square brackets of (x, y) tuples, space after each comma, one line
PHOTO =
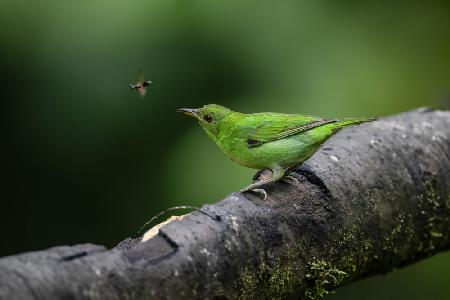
[(373, 198)]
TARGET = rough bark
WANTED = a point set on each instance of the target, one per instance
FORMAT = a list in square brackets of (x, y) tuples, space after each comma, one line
[(373, 198)]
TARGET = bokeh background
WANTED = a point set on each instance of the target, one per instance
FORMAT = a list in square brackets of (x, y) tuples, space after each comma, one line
[(88, 160)]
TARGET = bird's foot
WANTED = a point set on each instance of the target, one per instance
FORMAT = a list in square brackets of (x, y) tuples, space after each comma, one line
[(291, 179), (255, 187)]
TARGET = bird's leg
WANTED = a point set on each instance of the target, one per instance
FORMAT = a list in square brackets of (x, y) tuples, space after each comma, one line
[(291, 179), (277, 174), (265, 175)]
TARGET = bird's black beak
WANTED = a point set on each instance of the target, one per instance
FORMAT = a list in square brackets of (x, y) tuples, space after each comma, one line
[(189, 111)]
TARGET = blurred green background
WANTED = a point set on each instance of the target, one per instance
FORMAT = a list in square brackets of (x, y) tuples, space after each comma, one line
[(88, 160)]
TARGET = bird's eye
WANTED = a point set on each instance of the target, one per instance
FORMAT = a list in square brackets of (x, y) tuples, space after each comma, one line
[(207, 118)]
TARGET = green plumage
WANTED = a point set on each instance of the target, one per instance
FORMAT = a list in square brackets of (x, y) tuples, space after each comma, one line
[(272, 141)]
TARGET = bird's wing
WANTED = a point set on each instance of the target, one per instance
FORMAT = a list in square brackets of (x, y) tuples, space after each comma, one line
[(140, 78), (280, 127)]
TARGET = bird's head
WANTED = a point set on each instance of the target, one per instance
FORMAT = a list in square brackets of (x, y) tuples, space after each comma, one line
[(210, 117)]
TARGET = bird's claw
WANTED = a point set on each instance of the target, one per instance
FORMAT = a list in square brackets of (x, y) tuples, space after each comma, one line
[(291, 179), (261, 191), (255, 188)]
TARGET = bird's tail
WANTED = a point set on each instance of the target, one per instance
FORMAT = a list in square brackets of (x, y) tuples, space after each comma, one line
[(354, 121)]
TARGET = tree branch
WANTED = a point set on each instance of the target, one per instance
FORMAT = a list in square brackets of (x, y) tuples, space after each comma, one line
[(373, 198)]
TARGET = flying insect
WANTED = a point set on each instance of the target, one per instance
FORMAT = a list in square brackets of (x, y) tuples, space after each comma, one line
[(141, 85)]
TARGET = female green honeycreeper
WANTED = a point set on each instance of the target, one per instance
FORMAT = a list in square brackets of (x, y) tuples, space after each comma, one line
[(267, 141)]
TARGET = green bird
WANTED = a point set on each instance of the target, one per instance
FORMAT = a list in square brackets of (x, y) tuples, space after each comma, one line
[(266, 141)]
